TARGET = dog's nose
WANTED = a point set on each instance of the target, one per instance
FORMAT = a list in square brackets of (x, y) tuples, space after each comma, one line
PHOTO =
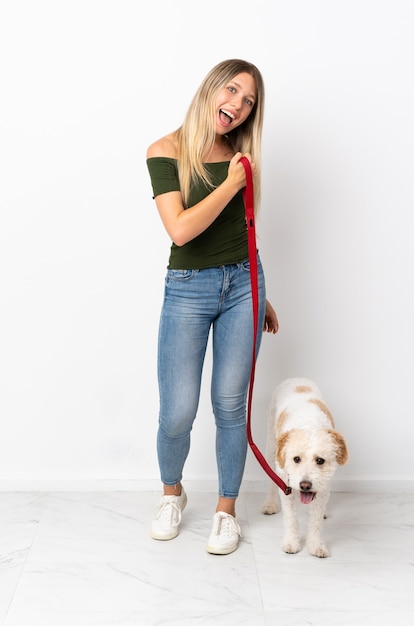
[(305, 485)]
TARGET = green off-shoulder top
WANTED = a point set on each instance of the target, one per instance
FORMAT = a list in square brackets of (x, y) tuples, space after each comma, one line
[(225, 240)]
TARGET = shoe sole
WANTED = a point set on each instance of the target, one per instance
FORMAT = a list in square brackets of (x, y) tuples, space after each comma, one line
[(174, 533), (217, 550)]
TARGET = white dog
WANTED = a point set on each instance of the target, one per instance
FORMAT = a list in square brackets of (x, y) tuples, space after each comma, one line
[(305, 450)]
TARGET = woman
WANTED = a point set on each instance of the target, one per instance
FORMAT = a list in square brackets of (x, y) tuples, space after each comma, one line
[(197, 180)]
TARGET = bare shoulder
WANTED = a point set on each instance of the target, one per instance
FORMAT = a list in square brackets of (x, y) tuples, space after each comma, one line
[(164, 147)]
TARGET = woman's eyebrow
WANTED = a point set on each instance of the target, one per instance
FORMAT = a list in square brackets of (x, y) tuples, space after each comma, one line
[(252, 95)]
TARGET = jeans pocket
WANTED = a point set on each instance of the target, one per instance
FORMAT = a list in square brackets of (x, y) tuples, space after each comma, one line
[(245, 265), (179, 276)]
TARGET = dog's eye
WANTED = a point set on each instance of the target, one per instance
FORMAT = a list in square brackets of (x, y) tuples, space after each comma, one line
[(296, 459), (320, 461)]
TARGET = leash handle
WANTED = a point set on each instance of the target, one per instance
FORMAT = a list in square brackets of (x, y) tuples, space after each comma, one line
[(248, 197)]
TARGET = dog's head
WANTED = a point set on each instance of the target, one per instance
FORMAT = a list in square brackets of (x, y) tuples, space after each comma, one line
[(310, 458)]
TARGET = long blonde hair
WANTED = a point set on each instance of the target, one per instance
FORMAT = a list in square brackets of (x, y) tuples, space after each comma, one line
[(197, 134)]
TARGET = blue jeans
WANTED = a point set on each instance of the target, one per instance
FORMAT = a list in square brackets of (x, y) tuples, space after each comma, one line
[(194, 302)]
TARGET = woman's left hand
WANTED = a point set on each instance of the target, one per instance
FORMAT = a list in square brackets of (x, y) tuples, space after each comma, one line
[(271, 324)]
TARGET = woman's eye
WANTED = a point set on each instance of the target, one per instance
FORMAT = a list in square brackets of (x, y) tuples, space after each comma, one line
[(232, 89), (249, 102)]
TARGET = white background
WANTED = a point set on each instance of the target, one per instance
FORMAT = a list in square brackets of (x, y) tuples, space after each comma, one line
[(86, 86)]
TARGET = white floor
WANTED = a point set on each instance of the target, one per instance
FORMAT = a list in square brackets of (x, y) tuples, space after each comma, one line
[(86, 559)]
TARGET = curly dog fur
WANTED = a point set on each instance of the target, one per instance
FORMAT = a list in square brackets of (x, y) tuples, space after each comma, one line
[(305, 449)]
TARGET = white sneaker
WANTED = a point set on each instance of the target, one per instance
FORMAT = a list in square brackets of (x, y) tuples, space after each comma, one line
[(224, 537), (167, 516)]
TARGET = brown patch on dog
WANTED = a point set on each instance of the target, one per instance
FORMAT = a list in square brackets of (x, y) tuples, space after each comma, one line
[(323, 408), (282, 419), (303, 389), (342, 450), (280, 453)]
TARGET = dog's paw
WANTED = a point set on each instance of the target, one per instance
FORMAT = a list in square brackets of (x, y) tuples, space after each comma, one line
[(321, 551), (269, 508), (291, 547)]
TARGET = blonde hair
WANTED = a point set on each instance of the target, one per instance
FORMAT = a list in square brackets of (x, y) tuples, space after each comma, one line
[(197, 134)]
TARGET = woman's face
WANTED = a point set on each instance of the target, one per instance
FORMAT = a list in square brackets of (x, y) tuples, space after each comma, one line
[(235, 102)]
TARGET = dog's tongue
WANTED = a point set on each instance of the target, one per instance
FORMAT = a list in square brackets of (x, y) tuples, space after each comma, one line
[(306, 497)]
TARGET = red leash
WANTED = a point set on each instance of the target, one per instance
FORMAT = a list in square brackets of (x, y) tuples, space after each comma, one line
[(248, 196)]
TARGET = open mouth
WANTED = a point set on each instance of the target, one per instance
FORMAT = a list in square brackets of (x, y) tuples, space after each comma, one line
[(226, 117), (306, 497)]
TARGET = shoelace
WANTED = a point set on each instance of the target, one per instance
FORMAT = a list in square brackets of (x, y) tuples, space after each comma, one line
[(226, 525), (166, 512)]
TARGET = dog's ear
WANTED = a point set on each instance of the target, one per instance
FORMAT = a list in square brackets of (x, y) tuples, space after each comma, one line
[(342, 450), (281, 452)]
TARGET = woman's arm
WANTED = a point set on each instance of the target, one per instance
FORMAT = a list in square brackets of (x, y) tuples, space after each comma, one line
[(183, 225)]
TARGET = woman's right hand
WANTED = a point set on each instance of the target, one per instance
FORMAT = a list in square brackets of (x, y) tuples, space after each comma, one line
[(236, 173)]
